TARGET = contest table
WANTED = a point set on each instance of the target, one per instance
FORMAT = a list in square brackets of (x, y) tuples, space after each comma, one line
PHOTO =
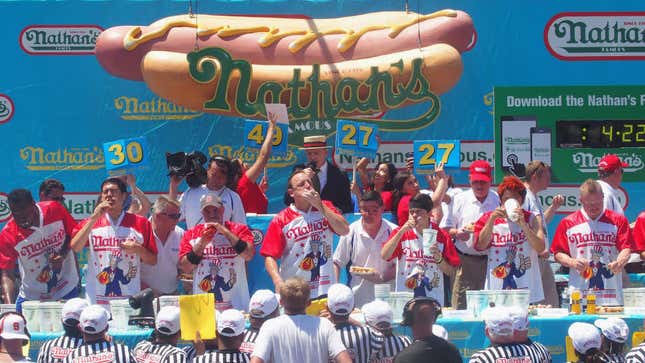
[(469, 336)]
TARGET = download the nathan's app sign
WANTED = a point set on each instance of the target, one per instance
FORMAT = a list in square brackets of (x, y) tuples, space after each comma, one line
[(596, 36)]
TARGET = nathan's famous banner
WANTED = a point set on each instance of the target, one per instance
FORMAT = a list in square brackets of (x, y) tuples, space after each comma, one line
[(79, 74)]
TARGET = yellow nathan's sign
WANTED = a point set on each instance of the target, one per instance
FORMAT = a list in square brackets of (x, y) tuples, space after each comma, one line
[(69, 158)]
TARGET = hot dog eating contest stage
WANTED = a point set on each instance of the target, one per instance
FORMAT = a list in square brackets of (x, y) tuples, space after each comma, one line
[(319, 68)]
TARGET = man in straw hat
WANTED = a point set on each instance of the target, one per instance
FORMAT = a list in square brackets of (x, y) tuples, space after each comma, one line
[(334, 184)]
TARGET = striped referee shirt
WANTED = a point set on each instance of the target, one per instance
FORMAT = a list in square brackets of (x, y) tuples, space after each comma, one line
[(636, 355), (100, 352), (224, 356), (55, 350), (361, 342), (616, 357), (148, 352), (392, 345), (250, 335), (507, 353), (190, 352)]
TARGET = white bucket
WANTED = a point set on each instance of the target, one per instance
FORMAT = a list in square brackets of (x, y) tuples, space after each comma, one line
[(397, 301), (30, 312), (121, 312), (5, 308), (50, 316), (166, 300)]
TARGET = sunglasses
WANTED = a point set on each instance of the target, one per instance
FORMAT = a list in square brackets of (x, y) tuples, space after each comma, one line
[(172, 215)]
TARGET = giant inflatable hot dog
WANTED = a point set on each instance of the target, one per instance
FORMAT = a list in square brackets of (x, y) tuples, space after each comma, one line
[(321, 68)]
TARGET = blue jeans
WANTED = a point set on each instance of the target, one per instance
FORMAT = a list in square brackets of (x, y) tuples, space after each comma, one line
[(72, 294)]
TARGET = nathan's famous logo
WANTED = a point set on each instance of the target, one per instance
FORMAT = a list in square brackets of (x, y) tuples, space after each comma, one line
[(595, 36), (258, 235), (5, 212), (588, 162), (6, 108), (135, 109), (59, 39), (69, 158), (249, 156)]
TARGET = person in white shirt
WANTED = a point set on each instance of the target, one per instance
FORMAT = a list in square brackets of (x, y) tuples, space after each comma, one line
[(219, 175), (359, 250), (163, 277), (537, 179), (610, 175), (295, 336), (467, 207)]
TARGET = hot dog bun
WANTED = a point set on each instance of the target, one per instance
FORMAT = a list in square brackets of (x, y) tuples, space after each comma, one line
[(167, 75), (284, 41)]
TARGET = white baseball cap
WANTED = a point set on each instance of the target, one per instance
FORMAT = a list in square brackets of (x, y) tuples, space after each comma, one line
[(94, 319), (440, 331), (584, 337), (520, 318), (498, 321), (13, 327), (614, 329), (340, 299), (263, 303), (230, 323), (72, 309), (377, 312), (167, 322)]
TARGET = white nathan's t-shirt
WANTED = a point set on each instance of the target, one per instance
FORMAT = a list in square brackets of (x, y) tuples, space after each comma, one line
[(303, 241), (221, 271), (362, 250), (512, 262), (31, 248), (599, 241), (111, 272), (163, 276), (191, 208), (298, 339)]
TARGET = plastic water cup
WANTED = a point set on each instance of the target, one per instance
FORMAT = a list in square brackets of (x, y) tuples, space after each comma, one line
[(511, 205), (50, 316), (121, 312), (30, 312), (381, 291)]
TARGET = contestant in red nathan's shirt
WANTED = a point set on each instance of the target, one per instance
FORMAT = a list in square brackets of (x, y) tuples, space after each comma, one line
[(118, 243), (595, 244), (638, 233), (301, 236), (37, 237)]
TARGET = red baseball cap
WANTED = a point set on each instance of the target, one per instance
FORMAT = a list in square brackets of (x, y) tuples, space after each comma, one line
[(610, 163), (480, 171)]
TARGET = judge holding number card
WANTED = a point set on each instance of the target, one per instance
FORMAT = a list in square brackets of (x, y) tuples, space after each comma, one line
[(253, 195)]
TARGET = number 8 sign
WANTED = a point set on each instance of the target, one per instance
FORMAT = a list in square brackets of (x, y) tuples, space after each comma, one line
[(125, 154), (428, 153)]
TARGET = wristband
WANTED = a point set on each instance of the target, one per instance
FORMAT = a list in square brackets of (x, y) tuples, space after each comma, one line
[(193, 258), (240, 246)]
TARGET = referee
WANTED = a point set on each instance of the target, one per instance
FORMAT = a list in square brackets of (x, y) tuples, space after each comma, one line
[(378, 316), (361, 342), (55, 350), (262, 307), (536, 351), (230, 333), (96, 347), (163, 347)]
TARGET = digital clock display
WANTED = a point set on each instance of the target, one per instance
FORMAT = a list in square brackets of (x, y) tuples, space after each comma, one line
[(600, 133)]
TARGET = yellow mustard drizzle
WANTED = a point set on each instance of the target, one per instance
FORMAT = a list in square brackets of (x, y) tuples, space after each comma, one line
[(135, 37)]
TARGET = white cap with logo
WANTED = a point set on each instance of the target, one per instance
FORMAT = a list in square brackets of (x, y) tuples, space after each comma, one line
[(230, 323), (520, 317), (340, 299), (13, 327), (167, 322), (584, 337), (263, 303), (73, 308), (498, 321), (378, 313), (94, 319), (614, 329)]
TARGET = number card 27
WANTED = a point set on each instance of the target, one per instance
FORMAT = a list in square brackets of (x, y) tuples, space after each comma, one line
[(429, 153)]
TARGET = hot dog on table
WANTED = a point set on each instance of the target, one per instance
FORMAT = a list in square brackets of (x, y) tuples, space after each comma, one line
[(343, 47)]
